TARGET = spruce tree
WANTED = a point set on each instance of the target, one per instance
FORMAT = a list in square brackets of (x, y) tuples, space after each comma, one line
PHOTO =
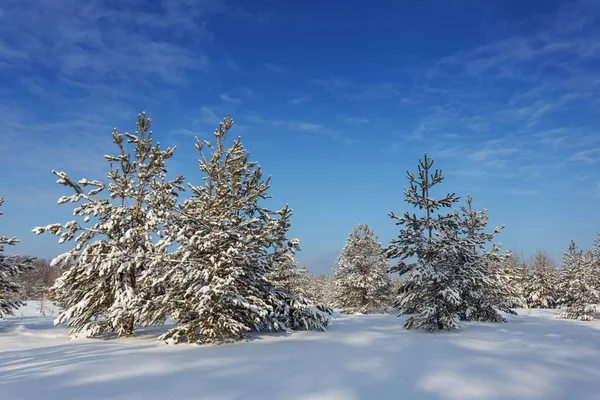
[(228, 247), (361, 282), (542, 286), (430, 289), (580, 283), (109, 286), (10, 267), (478, 267)]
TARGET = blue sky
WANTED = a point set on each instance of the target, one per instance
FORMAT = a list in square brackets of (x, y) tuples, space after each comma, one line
[(335, 99)]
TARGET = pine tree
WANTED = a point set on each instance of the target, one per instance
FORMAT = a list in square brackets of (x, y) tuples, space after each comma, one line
[(10, 267), (541, 288), (109, 287), (580, 283), (478, 267), (569, 273), (321, 290), (512, 275), (228, 247), (361, 282), (286, 275), (430, 288)]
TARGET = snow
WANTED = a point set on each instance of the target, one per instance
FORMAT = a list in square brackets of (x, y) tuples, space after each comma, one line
[(533, 356)]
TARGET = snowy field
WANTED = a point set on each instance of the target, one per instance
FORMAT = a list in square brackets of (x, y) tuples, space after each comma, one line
[(361, 357)]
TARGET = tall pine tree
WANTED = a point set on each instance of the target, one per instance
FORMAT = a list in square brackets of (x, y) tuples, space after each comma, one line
[(361, 282), (430, 289), (10, 267), (109, 286), (228, 248)]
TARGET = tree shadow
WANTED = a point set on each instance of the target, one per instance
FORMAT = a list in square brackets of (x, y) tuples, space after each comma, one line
[(361, 357)]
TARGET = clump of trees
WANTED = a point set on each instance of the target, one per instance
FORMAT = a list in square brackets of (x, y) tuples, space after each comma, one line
[(11, 266), (212, 262), (222, 265), (579, 286), (449, 271)]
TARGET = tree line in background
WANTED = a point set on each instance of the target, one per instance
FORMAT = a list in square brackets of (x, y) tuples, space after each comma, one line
[(221, 264)]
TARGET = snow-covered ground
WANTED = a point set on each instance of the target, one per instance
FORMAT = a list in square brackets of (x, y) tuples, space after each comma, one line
[(361, 357)]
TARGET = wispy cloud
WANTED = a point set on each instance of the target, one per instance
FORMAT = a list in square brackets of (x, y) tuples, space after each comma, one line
[(276, 69), (590, 156), (228, 98), (344, 88), (355, 120), (298, 100), (303, 126)]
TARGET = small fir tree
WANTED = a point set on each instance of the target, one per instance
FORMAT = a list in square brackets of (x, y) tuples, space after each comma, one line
[(361, 282), (430, 288), (109, 286), (10, 268), (581, 283)]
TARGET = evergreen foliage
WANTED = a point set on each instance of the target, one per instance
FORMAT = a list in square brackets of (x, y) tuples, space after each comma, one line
[(116, 251), (580, 283), (10, 267), (541, 288), (478, 268), (430, 289), (514, 276), (230, 250), (455, 275), (361, 282), (321, 290)]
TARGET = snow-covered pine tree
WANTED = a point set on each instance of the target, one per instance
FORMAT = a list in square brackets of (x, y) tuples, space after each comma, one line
[(228, 246), (542, 285), (478, 267), (361, 282), (568, 274), (109, 286), (513, 275), (289, 277), (321, 290), (10, 267), (580, 283), (430, 288)]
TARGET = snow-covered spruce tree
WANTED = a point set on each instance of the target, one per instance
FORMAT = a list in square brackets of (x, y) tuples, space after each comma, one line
[(109, 286), (512, 275), (541, 288), (430, 288), (481, 295), (361, 281), (580, 283), (10, 267), (228, 246)]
